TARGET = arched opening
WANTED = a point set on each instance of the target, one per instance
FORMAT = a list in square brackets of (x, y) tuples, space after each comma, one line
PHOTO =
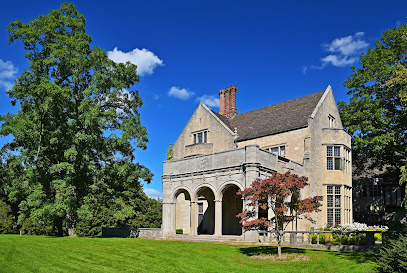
[(206, 211), (232, 204), (183, 212)]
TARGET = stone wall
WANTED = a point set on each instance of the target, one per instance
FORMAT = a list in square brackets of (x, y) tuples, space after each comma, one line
[(219, 137), (151, 233), (292, 140), (321, 136)]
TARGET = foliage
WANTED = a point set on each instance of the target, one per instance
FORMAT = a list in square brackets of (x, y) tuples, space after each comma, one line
[(111, 211), (337, 238), (355, 226), (170, 153), (392, 256), (179, 231), (280, 193), (78, 254), (403, 182), (376, 114), (6, 218), (75, 133)]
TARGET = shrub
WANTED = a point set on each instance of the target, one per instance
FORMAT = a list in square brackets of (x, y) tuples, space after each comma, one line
[(392, 256), (31, 227), (6, 218), (326, 238), (179, 231)]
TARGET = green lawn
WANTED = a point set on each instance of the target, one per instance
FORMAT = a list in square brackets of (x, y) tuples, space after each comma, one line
[(50, 254)]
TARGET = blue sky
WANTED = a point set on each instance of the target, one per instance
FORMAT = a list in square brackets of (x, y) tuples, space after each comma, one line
[(188, 50)]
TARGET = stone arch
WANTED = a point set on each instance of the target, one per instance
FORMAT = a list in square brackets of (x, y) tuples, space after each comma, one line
[(226, 185), (198, 188), (232, 204), (205, 196), (182, 199), (177, 190)]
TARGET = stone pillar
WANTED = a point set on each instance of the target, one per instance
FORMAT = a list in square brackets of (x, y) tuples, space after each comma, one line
[(218, 217), (251, 173), (166, 225), (194, 219)]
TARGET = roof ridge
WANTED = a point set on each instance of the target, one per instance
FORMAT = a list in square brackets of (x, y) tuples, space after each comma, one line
[(281, 102)]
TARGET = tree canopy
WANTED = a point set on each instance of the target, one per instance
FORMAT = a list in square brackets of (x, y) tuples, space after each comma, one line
[(74, 136), (376, 115), (280, 193)]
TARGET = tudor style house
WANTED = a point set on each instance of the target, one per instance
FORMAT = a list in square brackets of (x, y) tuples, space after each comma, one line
[(217, 154)]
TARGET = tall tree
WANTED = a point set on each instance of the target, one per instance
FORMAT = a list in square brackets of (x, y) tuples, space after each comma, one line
[(376, 115), (77, 126), (281, 194)]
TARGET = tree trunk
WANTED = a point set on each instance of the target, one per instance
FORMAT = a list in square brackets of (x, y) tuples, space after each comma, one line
[(71, 220), (58, 224), (279, 247)]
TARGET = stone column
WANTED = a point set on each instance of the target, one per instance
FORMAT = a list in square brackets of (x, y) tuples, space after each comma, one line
[(218, 217), (166, 225), (173, 217), (251, 173), (194, 219)]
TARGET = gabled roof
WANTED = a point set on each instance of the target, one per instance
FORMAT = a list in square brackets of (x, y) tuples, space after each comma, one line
[(281, 117)]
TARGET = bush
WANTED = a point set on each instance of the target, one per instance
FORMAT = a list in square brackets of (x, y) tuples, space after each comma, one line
[(392, 256), (31, 227), (321, 238), (326, 238), (6, 218), (179, 231)]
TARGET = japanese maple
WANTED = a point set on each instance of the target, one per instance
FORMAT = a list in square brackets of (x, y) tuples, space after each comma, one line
[(280, 192)]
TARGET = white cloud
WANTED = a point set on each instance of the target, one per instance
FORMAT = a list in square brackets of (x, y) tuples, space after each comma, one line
[(343, 51), (7, 73), (349, 45), (304, 69), (338, 61), (145, 60), (180, 93), (152, 193), (210, 101)]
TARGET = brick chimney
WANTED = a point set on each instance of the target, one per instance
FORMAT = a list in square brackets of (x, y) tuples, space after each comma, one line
[(227, 98), (222, 101)]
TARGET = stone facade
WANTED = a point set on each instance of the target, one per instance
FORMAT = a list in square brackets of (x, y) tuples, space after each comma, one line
[(216, 155)]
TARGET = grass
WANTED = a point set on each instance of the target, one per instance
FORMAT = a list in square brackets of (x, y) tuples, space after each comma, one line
[(73, 254)]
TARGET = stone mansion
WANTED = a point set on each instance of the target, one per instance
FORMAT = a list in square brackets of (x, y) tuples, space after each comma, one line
[(217, 154)]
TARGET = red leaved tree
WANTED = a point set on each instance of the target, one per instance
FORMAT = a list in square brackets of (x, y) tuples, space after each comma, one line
[(280, 193)]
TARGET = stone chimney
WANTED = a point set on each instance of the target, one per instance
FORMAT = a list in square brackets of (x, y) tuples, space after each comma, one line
[(227, 104)]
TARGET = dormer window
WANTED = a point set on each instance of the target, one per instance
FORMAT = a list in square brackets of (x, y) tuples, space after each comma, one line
[(201, 137), (331, 121), (278, 150)]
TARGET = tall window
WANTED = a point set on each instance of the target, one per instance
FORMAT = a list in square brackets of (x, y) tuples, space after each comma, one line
[(333, 204), (347, 159), (333, 157), (331, 120), (201, 137)]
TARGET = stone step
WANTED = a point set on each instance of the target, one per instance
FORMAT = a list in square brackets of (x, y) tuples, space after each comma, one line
[(206, 238)]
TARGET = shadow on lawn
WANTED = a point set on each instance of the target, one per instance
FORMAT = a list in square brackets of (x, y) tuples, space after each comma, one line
[(357, 257), (269, 250)]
